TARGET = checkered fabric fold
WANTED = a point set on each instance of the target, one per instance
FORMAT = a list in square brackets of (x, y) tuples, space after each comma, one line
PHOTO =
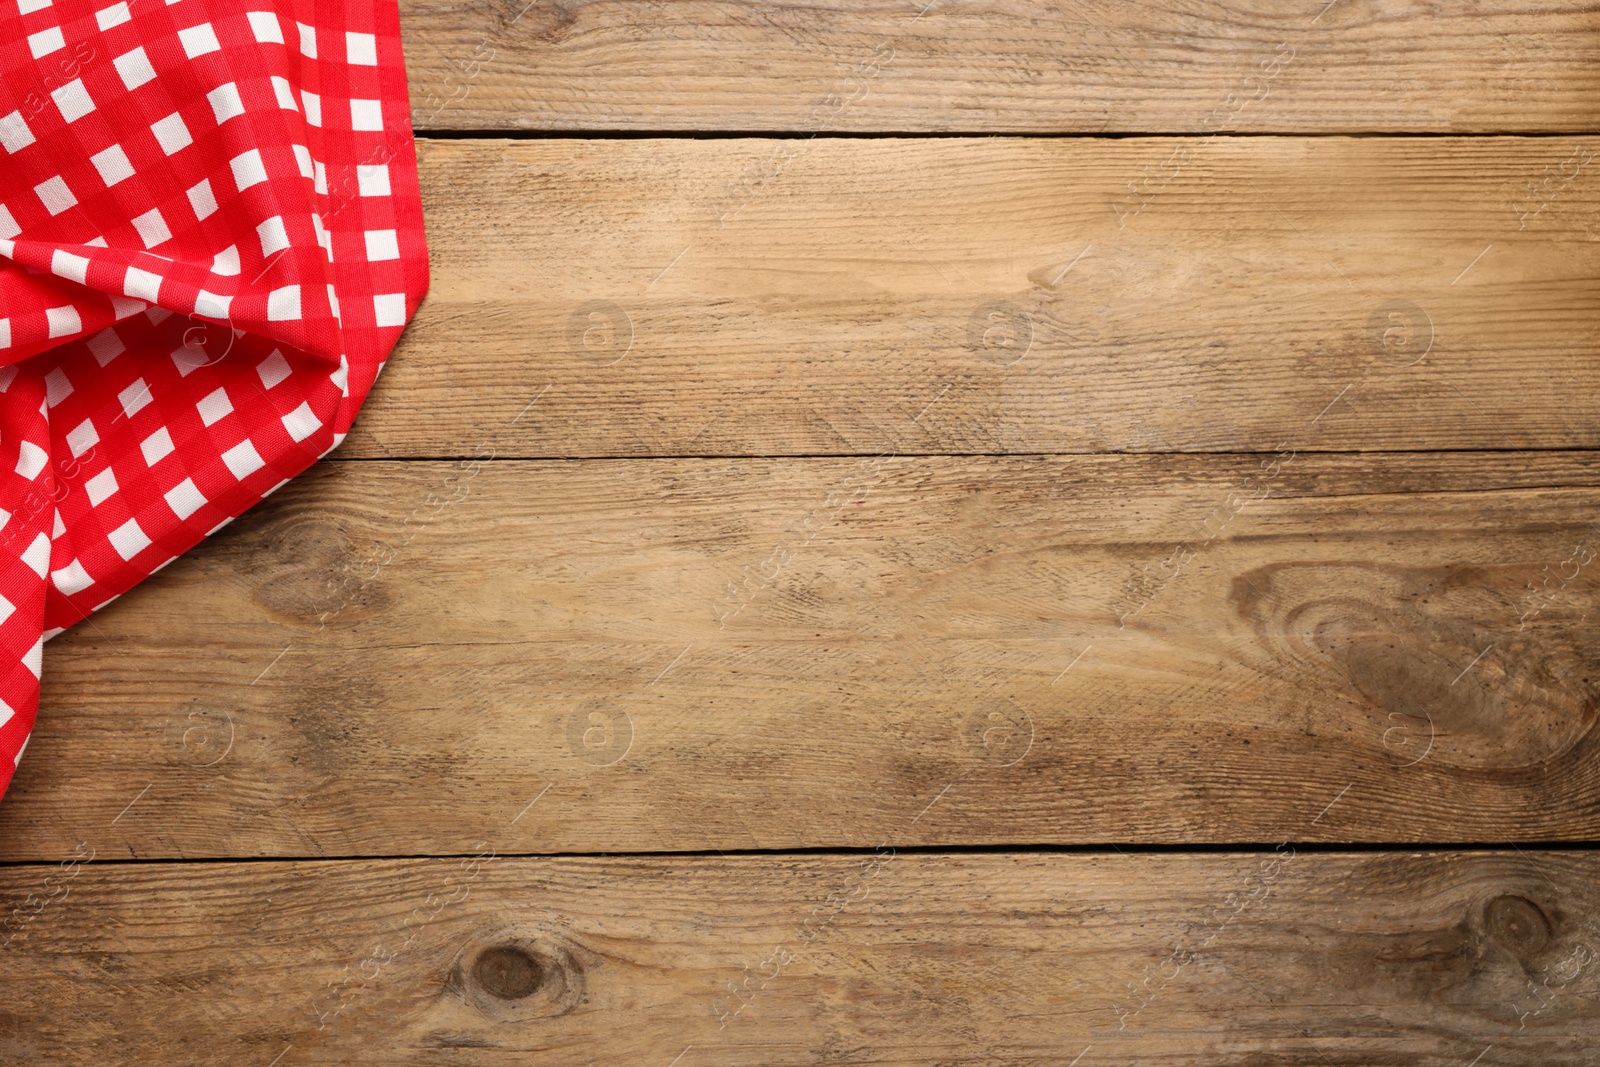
[(210, 239)]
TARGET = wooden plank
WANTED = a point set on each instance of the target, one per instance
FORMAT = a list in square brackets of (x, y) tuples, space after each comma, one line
[(1013, 66), (998, 296), (889, 958), (394, 658)]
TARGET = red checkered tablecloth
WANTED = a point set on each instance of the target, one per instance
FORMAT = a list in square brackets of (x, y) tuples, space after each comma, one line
[(210, 239)]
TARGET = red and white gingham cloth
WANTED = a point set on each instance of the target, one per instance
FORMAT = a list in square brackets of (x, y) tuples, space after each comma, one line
[(210, 239)]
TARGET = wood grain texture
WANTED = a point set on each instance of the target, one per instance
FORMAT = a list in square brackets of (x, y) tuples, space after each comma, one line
[(892, 958), (398, 658), (1338, 587), (637, 297), (1014, 66)]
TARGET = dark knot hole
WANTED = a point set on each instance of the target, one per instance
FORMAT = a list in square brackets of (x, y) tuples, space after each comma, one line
[(507, 972), (1519, 924)]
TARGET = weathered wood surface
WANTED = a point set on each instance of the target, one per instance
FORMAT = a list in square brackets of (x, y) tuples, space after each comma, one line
[(999, 296), (889, 958), (396, 658), (1031, 646), (1015, 66)]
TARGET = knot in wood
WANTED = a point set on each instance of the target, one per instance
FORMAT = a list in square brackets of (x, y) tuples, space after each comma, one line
[(507, 972), (1518, 923)]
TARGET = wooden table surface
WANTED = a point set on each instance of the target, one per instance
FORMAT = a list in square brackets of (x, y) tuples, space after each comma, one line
[(989, 533)]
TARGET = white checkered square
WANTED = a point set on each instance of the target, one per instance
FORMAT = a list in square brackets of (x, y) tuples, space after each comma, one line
[(199, 40), (156, 447), (142, 284), (361, 49), (63, 321), (128, 539), (115, 15), (134, 68), (366, 115), (44, 42), (134, 397), (106, 346), (214, 407), (113, 165), (57, 387), (248, 170), (55, 195), (184, 498), (71, 579), (31, 459), (73, 100), (265, 26), (202, 199), (372, 179), (302, 422), (172, 134), (99, 488), (66, 265), (382, 245), (389, 309), (243, 460), (15, 134), (212, 305), (82, 437), (285, 93), (152, 228), (225, 102), (273, 370), (37, 555), (273, 236), (283, 304)]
